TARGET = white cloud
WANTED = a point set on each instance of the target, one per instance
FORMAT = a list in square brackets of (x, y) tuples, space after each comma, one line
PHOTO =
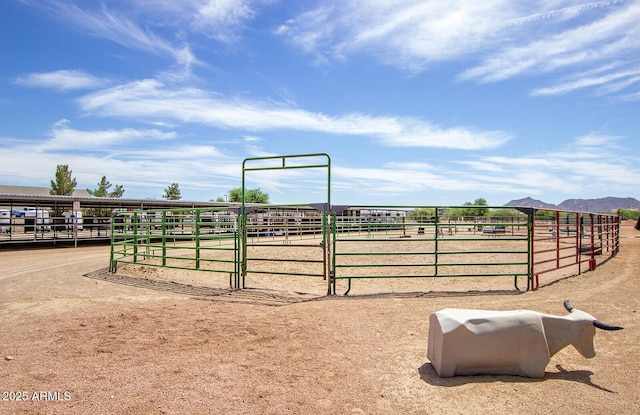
[(407, 34), (413, 33), (598, 141), (592, 162), (220, 18), (484, 166), (64, 138), (186, 152), (410, 165), (629, 77), (601, 37), (120, 26), (152, 100), (634, 96), (499, 39), (613, 87), (391, 180), (251, 138), (195, 167), (416, 133), (63, 80)]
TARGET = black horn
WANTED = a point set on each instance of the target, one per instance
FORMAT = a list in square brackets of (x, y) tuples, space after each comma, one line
[(605, 326), (597, 323), (568, 306)]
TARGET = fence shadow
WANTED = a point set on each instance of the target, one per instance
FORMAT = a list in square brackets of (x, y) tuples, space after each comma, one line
[(203, 293), (264, 296), (419, 294), (572, 276)]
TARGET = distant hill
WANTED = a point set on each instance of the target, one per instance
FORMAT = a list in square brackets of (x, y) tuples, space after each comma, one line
[(529, 202), (605, 204)]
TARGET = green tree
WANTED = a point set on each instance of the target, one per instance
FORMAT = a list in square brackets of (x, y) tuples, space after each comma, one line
[(422, 214), (235, 195), (480, 202), (103, 189), (256, 196), (63, 184), (504, 213), (250, 196), (117, 192), (546, 213), (470, 209), (172, 192), (626, 214)]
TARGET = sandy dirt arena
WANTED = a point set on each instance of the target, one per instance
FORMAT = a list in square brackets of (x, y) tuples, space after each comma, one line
[(76, 341)]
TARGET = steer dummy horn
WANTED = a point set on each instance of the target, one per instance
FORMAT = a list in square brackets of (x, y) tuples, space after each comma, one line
[(605, 326), (568, 306), (597, 323)]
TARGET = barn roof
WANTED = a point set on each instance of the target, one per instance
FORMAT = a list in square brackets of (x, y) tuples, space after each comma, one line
[(22, 196)]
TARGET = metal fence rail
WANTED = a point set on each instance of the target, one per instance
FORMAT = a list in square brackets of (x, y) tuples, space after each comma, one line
[(395, 246), (283, 225), (44, 226), (201, 239), (577, 240), (364, 242), (284, 240)]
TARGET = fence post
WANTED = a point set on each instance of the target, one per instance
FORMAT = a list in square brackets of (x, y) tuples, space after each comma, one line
[(164, 238), (112, 263), (533, 278), (197, 236), (592, 259), (135, 236)]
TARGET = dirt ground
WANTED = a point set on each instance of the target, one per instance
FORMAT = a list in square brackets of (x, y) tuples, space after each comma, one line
[(74, 340)]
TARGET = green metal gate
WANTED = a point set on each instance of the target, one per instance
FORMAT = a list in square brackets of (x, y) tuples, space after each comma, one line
[(273, 237), (382, 242), (200, 239)]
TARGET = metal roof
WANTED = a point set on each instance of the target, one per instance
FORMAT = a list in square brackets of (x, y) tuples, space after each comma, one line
[(33, 190), (40, 200)]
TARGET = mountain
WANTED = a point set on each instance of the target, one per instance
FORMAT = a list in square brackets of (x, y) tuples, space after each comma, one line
[(605, 204), (529, 202)]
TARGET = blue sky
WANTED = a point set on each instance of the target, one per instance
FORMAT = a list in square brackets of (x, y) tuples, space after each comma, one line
[(416, 102)]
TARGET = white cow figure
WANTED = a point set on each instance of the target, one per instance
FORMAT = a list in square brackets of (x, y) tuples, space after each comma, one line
[(519, 342)]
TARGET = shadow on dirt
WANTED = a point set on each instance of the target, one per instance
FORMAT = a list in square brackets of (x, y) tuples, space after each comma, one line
[(203, 293), (421, 294), (262, 296), (429, 375)]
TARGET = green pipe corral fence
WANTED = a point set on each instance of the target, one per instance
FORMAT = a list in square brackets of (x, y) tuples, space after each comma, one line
[(337, 243), (388, 244), (320, 240), (193, 239)]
